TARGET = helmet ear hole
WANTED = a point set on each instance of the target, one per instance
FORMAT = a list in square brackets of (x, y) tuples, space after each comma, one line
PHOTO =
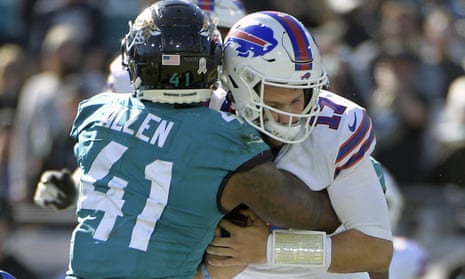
[(250, 114), (257, 88), (233, 82)]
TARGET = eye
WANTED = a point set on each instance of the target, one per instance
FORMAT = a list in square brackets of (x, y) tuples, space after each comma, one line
[(298, 100), (274, 106)]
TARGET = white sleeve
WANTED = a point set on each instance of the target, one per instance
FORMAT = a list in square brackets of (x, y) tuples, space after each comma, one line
[(358, 200), (217, 98)]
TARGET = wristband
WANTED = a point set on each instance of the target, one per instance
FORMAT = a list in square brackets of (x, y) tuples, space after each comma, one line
[(328, 252), (203, 269), (299, 248)]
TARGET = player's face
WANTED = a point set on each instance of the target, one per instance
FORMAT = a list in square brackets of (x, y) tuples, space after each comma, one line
[(289, 100), (285, 99)]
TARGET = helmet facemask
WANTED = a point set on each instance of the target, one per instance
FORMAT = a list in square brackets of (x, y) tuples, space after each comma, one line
[(260, 115)]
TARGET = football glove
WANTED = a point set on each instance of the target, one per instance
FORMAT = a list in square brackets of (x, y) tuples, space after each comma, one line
[(55, 189)]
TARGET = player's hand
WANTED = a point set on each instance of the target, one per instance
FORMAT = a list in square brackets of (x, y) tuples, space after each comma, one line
[(55, 189), (223, 272), (245, 245)]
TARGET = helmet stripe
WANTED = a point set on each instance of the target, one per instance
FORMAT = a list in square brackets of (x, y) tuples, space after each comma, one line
[(299, 40), (249, 38), (206, 5)]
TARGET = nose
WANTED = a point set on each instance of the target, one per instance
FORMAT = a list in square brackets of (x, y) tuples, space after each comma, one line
[(283, 118)]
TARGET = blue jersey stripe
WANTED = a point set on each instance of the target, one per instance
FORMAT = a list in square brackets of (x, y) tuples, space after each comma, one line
[(357, 156), (356, 139)]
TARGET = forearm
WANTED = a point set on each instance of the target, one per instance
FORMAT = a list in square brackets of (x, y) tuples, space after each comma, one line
[(206, 271), (313, 217), (353, 251), (379, 275), (319, 213), (282, 199)]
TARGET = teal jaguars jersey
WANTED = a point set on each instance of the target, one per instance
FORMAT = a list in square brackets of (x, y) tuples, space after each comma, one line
[(148, 195)]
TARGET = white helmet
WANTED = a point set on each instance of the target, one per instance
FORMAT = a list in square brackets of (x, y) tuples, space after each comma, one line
[(273, 48), (224, 13)]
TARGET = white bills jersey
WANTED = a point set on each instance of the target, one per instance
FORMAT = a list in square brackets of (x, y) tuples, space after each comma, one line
[(336, 157)]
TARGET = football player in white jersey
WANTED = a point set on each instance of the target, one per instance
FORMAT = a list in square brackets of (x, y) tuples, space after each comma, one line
[(276, 78)]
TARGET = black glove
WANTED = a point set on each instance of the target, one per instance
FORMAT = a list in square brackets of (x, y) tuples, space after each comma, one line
[(55, 189)]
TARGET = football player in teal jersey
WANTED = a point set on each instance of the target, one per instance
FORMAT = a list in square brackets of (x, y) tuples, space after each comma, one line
[(159, 169)]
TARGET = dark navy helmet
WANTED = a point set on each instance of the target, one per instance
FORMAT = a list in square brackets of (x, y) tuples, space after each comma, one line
[(172, 52)]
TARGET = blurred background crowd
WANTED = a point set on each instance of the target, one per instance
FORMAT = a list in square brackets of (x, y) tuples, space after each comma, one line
[(403, 60)]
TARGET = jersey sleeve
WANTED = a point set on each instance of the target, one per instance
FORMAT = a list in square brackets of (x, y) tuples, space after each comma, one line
[(358, 140), (358, 200), (234, 145), (355, 190), (89, 111), (341, 139)]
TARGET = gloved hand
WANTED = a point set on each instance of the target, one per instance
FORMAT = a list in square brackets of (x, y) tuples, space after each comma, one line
[(55, 189)]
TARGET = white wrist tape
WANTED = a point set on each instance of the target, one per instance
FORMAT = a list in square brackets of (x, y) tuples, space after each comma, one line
[(299, 248)]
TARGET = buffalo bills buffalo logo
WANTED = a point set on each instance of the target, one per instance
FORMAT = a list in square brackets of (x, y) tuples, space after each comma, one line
[(305, 76), (255, 40)]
